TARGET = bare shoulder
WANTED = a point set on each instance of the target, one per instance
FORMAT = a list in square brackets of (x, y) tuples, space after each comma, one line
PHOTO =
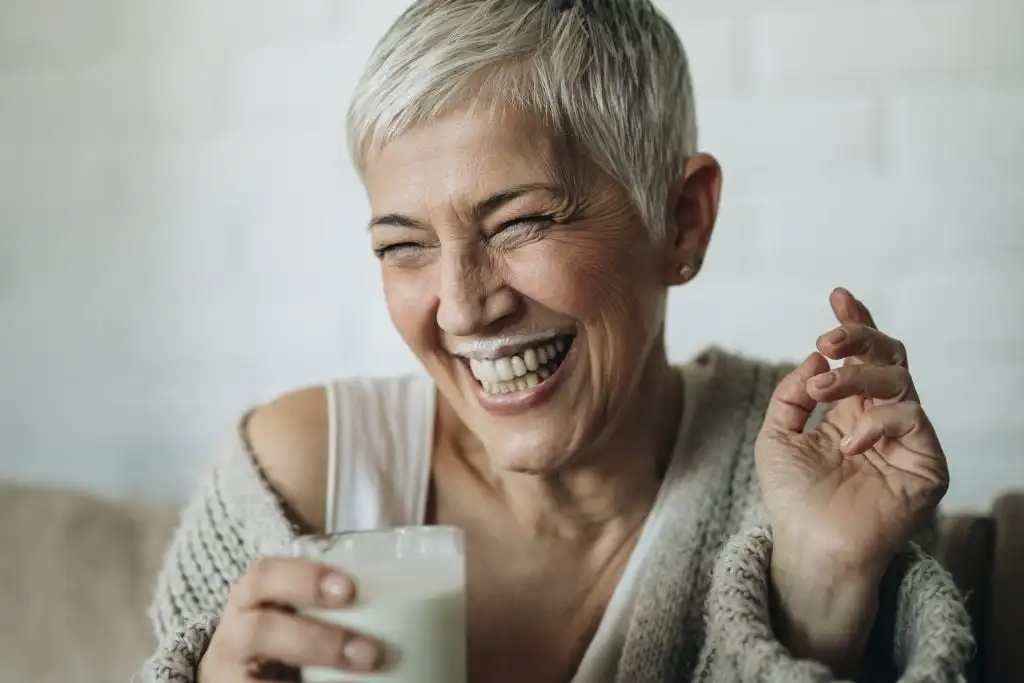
[(289, 440)]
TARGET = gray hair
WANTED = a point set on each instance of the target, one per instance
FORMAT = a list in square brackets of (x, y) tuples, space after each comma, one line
[(608, 76)]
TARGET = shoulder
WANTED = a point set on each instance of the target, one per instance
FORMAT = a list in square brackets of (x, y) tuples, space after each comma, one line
[(288, 439)]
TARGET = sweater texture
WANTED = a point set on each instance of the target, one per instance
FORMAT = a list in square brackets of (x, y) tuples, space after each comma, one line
[(702, 611)]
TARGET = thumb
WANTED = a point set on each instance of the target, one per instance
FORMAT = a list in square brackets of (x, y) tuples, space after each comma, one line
[(791, 406)]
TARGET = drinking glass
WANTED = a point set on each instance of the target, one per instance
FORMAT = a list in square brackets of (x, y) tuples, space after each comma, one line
[(410, 598)]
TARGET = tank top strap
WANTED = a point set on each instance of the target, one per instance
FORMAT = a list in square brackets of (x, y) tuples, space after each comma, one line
[(380, 439)]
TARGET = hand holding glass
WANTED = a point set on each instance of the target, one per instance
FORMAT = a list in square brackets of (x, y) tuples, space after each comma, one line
[(410, 597)]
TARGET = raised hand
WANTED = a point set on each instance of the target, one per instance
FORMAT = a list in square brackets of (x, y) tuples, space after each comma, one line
[(855, 487), (845, 496)]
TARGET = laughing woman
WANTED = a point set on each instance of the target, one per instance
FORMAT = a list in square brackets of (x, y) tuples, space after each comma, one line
[(536, 189)]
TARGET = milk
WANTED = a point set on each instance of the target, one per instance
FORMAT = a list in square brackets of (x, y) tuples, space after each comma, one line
[(416, 609)]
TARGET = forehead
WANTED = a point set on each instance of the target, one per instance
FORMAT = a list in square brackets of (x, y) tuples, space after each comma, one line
[(461, 156)]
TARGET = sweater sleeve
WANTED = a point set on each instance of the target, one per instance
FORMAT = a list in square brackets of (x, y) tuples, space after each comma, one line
[(922, 632), (233, 517)]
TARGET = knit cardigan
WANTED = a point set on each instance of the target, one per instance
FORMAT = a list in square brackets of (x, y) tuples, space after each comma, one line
[(702, 610)]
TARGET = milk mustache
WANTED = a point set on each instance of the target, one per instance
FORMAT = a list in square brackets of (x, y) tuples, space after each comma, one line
[(414, 607)]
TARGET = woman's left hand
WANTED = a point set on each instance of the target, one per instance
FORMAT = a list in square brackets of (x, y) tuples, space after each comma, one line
[(846, 496)]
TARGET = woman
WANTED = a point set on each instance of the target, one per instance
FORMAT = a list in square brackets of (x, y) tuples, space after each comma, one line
[(536, 189)]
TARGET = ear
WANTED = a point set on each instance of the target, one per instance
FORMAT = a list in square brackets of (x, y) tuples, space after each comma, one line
[(692, 211)]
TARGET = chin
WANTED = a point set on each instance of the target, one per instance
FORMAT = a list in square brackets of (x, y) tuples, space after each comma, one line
[(535, 454)]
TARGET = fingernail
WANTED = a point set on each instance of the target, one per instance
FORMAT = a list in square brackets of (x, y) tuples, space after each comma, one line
[(847, 440), (822, 381), (361, 653), (336, 588), (835, 336)]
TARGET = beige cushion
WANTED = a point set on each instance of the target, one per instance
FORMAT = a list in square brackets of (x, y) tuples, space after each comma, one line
[(1005, 625), (76, 575), (985, 554), (966, 551)]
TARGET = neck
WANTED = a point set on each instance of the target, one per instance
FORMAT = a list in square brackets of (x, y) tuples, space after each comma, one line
[(607, 491)]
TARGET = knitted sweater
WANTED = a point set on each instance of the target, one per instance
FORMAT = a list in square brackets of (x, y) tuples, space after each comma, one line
[(702, 610)]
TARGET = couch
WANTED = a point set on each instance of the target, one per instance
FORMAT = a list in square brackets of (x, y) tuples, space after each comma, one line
[(76, 575), (985, 554), (76, 571)]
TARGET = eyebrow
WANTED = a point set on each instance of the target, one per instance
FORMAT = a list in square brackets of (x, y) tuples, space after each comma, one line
[(479, 211)]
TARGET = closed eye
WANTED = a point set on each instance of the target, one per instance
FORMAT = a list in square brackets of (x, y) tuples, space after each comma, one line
[(535, 221), (402, 249), (395, 249)]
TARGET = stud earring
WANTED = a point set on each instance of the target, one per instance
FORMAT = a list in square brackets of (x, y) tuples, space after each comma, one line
[(689, 270)]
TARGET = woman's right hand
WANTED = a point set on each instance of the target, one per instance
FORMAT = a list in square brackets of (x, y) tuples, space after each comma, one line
[(261, 637)]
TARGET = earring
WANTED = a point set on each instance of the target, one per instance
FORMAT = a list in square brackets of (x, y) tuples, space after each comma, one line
[(689, 270)]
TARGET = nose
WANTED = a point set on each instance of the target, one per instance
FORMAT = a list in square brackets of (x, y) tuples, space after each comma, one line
[(471, 298)]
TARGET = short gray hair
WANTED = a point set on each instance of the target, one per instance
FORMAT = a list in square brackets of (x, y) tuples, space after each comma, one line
[(610, 76)]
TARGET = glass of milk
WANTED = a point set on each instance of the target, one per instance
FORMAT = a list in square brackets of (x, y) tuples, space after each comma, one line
[(410, 597)]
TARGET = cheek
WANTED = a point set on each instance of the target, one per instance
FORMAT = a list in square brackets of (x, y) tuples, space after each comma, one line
[(598, 281), (611, 288), (410, 305)]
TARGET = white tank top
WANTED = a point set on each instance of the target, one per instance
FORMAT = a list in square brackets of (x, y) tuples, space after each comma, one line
[(381, 434)]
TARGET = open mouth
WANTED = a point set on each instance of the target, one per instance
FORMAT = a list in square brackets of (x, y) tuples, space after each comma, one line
[(527, 368)]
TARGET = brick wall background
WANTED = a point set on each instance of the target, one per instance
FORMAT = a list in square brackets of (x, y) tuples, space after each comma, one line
[(182, 237)]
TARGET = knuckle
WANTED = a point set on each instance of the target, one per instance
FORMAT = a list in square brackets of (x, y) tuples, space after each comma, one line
[(247, 589), (253, 631), (860, 335), (218, 658), (900, 353), (876, 344), (915, 413), (867, 347), (260, 570), (855, 376), (903, 382), (241, 592), (237, 632)]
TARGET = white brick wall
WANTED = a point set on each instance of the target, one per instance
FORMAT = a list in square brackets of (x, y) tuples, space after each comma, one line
[(181, 236)]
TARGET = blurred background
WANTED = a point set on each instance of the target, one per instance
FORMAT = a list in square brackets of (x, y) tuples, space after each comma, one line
[(181, 236)]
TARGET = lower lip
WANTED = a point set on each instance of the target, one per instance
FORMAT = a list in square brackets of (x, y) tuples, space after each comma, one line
[(521, 401)]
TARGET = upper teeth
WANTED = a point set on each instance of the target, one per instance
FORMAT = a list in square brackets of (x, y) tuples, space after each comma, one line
[(508, 368)]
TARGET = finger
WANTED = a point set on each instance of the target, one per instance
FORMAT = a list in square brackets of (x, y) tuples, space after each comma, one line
[(906, 422), (791, 405), (848, 309), (262, 635), (863, 314), (863, 343), (292, 582), (884, 383)]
